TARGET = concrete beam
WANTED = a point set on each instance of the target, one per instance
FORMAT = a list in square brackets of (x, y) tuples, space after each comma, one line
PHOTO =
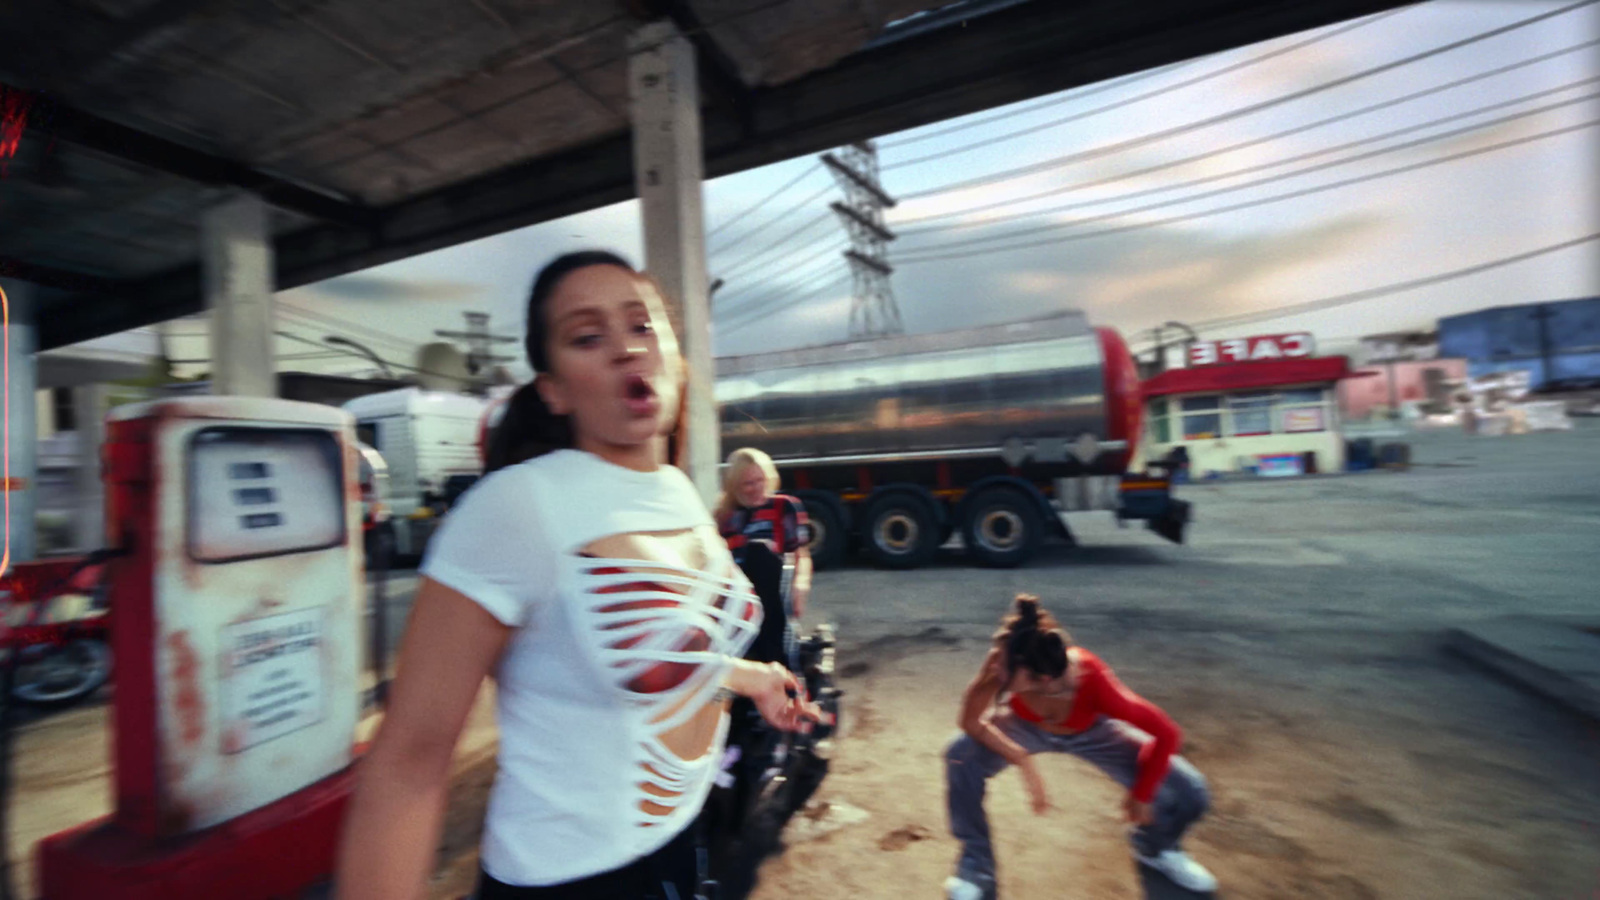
[(74, 126), (669, 172), (236, 252)]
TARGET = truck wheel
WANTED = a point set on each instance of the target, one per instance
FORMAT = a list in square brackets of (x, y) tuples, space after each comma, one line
[(828, 537), (900, 531), (1003, 528)]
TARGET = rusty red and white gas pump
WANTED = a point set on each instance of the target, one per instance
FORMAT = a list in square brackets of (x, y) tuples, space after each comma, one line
[(237, 607)]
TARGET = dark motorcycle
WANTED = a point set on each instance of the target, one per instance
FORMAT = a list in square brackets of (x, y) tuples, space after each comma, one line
[(60, 631), (768, 775)]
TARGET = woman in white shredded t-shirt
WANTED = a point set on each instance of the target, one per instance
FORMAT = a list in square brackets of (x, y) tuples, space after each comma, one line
[(585, 575)]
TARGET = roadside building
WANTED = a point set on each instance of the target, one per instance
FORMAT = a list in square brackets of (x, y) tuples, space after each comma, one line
[(1264, 404), (1552, 342), (1403, 376)]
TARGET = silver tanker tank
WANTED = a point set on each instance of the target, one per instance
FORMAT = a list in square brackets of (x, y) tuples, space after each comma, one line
[(1049, 390)]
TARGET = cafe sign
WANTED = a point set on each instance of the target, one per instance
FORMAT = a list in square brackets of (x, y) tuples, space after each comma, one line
[(1251, 349)]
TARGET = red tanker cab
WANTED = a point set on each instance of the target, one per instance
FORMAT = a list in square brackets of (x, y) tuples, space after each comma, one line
[(238, 607), (1124, 398)]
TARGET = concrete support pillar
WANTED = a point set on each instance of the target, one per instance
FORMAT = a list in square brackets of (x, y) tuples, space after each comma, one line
[(89, 403), (21, 435), (668, 170), (236, 262)]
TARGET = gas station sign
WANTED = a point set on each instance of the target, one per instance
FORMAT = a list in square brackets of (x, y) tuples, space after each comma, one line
[(1252, 349), (275, 687)]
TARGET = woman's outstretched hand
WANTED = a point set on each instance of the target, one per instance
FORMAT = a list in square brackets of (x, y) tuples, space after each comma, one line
[(777, 694), (1034, 782)]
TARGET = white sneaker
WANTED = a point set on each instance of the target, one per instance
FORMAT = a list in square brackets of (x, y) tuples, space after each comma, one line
[(1181, 870), (957, 889)]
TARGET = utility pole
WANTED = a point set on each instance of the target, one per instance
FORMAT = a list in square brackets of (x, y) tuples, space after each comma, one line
[(480, 343), (1543, 314), (873, 312)]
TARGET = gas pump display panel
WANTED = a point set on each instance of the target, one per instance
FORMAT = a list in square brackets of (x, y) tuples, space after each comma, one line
[(256, 493)]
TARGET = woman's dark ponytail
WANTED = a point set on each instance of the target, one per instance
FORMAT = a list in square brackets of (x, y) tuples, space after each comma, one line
[(528, 428), (1030, 638)]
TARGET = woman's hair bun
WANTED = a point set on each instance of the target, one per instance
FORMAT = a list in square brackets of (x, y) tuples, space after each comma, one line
[(1027, 607)]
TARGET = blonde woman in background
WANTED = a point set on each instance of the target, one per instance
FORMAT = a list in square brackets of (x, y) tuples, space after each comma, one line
[(751, 514)]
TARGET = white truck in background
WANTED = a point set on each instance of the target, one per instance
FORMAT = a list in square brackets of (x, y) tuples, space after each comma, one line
[(429, 440)]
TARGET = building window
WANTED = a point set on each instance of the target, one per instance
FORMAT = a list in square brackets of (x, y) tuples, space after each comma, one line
[(1202, 418), (61, 408), (1250, 414), (1302, 411), (1245, 414), (1160, 425)]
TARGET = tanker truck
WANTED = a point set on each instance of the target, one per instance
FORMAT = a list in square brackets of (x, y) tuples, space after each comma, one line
[(895, 444)]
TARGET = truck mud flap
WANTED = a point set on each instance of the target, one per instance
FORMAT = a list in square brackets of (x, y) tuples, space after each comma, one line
[(1172, 524), (1151, 499)]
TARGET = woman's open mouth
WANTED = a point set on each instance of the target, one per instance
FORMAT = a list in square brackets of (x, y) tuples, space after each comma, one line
[(640, 396)]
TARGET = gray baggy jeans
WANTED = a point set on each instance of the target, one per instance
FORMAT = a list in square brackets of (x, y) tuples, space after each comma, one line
[(1110, 745)]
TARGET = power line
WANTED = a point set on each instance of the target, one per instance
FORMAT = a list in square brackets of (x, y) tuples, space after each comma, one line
[(1248, 143), (838, 285), (1269, 165), (1147, 95), (281, 357), (765, 305), (814, 167), (781, 217), (760, 301), (826, 240), (357, 354), (1245, 205), (795, 275), (309, 317), (801, 265), (1394, 288), (1239, 112), (820, 218), (763, 315), (366, 332)]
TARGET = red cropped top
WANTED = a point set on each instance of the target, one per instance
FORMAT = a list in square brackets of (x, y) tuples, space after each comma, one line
[(1101, 694)]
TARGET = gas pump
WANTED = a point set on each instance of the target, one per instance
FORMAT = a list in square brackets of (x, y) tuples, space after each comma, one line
[(237, 606)]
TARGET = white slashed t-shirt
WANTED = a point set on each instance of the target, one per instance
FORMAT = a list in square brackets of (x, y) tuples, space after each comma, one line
[(614, 657)]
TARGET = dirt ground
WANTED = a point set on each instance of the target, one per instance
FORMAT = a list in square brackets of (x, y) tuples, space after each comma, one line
[(1313, 796), (1299, 641)]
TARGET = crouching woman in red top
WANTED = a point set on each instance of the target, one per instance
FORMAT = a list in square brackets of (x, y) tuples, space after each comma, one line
[(1037, 693)]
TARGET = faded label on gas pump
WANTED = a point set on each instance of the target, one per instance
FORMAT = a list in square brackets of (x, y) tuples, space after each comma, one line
[(275, 681)]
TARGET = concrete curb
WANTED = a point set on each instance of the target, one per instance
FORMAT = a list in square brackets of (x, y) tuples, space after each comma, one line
[(1556, 657)]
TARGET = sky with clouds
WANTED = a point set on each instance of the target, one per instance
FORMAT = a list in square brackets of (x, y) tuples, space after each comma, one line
[(1210, 192)]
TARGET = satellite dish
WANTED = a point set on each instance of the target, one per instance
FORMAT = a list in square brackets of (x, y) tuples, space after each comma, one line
[(444, 368)]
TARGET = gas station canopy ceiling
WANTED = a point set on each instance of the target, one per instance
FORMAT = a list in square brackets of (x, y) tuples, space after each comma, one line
[(378, 129)]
